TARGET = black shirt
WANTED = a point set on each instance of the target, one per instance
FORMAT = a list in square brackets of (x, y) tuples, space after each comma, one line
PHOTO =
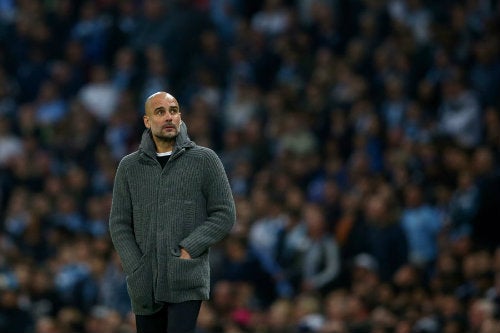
[(163, 159)]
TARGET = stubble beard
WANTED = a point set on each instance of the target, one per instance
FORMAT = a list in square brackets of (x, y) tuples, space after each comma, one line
[(167, 138)]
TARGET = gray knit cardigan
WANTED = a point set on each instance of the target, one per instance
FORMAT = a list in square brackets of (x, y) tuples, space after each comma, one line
[(156, 211)]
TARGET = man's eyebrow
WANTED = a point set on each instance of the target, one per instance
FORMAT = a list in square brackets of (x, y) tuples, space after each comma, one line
[(161, 108)]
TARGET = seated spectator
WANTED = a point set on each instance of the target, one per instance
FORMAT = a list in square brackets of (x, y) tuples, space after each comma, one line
[(241, 264), (386, 238), (460, 113), (99, 95), (320, 258), (422, 225)]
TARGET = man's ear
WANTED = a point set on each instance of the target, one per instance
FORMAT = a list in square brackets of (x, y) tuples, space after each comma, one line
[(146, 121)]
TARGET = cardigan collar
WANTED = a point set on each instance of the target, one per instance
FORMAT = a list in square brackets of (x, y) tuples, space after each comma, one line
[(182, 141)]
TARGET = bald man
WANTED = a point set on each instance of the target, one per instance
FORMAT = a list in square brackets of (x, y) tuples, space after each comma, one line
[(171, 202)]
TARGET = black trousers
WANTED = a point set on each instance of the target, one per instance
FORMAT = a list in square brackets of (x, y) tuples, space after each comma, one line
[(172, 318)]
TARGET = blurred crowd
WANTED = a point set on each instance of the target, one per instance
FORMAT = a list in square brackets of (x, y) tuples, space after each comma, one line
[(361, 139)]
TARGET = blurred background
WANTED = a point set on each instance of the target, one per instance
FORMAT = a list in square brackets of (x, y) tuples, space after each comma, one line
[(361, 139)]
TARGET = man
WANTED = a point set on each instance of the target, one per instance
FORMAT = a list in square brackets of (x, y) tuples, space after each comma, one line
[(171, 202)]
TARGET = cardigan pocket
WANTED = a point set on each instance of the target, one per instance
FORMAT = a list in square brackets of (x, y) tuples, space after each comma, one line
[(140, 288), (176, 220), (189, 273)]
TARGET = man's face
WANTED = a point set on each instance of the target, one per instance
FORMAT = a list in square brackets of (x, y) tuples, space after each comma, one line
[(162, 116)]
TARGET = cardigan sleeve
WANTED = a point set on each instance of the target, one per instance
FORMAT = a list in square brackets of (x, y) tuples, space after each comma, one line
[(221, 212), (121, 222)]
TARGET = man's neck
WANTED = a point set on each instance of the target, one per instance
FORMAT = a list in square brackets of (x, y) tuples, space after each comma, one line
[(163, 146)]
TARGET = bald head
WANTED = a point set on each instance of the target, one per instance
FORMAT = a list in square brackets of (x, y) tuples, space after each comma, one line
[(159, 97)]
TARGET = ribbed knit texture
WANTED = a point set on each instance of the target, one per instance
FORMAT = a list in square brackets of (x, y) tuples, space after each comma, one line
[(156, 211)]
